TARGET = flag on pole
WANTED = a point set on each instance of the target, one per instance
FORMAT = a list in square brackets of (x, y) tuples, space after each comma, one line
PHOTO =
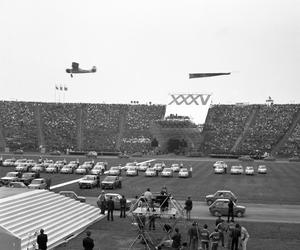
[(200, 75), (56, 87), (61, 87), (65, 88)]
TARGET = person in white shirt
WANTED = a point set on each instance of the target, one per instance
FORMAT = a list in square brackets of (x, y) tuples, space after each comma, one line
[(244, 237)]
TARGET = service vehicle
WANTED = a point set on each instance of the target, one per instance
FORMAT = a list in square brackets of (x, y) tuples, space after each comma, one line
[(220, 207), (150, 172), (237, 169), (219, 169), (249, 170), (73, 196), (88, 181), (9, 163), (28, 177), (10, 177), (167, 172), (175, 167), (39, 183), (220, 194), (111, 182), (183, 173), (132, 171), (116, 198), (262, 169)]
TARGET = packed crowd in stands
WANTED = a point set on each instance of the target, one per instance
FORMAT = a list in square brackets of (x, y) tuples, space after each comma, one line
[(19, 125), (59, 125), (224, 124), (140, 116), (292, 146), (114, 127), (271, 124)]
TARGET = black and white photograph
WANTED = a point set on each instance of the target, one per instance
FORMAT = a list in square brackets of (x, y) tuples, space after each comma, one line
[(163, 124)]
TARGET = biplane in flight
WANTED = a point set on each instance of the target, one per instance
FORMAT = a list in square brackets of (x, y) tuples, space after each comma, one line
[(76, 70)]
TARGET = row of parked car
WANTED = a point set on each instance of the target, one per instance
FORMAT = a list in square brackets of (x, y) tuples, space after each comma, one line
[(49, 166), (220, 167), (158, 169)]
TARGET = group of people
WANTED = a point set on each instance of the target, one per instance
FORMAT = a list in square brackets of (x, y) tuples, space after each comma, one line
[(107, 203), (229, 235)]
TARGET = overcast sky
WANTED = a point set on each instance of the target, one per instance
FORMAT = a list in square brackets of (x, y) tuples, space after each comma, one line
[(144, 50)]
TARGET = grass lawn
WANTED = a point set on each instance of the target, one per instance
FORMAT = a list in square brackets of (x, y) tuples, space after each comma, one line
[(120, 233)]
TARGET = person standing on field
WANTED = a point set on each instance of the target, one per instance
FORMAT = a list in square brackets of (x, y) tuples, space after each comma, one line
[(244, 237), (188, 207)]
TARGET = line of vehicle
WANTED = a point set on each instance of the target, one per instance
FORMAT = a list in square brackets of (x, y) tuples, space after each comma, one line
[(77, 180)]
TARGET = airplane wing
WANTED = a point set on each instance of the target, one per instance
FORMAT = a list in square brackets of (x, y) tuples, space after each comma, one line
[(201, 75)]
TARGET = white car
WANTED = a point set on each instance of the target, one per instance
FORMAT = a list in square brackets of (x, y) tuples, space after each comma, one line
[(39, 183), (175, 167), (38, 168), (249, 170), (20, 161), (183, 173), (129, 164), (144, 166), (219, 169), (52, 168), (68, 169), (262, 169), (97, 169), (150, 172), (82, 169), (220, 163), (30, 162), (88, 181), (132, 171), (114, 171), (22, 167), (46, 163), (237, 169), (9, 163), (159, 166), (167, 172)]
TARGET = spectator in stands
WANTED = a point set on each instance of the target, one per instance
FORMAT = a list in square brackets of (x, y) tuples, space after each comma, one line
[(42, 240), (88, 242), (193, 233)]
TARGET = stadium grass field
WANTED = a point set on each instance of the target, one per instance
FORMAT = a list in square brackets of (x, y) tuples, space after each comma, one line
[(121, 233), (279, 186)]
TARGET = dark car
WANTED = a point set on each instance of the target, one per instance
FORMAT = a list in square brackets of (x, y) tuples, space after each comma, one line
[(116, 198), (111, 182), (219, 195), (73, 195), (28, 177), (220, 207)]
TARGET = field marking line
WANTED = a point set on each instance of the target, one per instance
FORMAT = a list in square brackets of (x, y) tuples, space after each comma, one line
[(146, 161), (65, 183)]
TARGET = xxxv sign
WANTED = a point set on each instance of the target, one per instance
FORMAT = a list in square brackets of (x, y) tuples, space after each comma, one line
[(189, 99)]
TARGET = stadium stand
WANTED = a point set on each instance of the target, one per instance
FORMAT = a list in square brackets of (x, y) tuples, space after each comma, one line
[(18, 125)]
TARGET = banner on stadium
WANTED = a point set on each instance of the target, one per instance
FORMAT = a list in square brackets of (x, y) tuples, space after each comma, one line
[(195, 106)]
